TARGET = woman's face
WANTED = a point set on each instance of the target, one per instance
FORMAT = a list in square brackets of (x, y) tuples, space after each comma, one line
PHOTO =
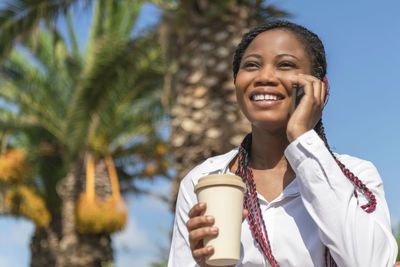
[(263, 86)]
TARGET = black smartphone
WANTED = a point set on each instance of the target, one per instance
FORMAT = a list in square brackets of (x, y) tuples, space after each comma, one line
[(298, 92)]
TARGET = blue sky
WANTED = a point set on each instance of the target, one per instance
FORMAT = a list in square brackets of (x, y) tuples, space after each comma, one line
[(362, 42)]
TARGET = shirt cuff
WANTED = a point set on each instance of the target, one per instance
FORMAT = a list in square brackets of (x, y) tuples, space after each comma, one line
[(308, 150), (303, 147)]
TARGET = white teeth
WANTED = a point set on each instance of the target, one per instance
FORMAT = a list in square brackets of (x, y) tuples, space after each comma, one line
[(265, 97), (270, 97)]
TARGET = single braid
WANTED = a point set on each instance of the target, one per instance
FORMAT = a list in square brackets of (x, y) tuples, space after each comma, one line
[(316, 51), (371, 205), (251, 203)]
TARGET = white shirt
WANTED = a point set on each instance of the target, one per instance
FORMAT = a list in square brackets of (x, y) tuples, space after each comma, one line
[(318, 209)]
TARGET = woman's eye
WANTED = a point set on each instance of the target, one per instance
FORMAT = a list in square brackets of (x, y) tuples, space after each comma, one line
[(286, 64), (250, 65)]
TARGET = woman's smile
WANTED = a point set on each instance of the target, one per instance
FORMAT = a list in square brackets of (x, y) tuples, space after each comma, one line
[(266, 98)]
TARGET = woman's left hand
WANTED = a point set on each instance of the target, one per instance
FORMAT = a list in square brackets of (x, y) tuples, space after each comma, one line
[(309, 110)]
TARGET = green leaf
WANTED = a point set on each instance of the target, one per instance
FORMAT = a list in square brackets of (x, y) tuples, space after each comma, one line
[(20, 17)]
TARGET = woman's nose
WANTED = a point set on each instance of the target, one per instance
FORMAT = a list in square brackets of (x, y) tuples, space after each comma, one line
[(267, 76)]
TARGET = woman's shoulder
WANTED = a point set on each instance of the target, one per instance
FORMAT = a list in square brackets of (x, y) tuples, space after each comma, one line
[(365, 170), (351, 160), (212, 165)]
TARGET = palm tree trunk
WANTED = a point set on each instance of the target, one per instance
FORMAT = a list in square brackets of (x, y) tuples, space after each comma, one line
[(205, 120), (44, 244), (60, 244)]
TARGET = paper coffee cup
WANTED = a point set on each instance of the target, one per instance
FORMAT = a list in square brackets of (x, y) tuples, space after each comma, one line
[(223, 194)]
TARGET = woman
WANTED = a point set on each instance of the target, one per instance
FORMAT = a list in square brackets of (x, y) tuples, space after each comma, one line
[(308, 209)]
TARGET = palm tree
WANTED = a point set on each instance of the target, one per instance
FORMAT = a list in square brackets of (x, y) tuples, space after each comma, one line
[(69, 107), (199, 39)]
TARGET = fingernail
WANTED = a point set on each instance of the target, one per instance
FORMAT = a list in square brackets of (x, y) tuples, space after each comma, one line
[(210, 218), (201, 205), (214, 229), (209, 249)]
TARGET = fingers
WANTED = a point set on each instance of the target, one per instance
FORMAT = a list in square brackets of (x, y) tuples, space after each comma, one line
[(199, 221), (200, 254), (197, 235), (244, 214), (200, 227), (314, 89), (197, 210), (323, 93), (309, 110)]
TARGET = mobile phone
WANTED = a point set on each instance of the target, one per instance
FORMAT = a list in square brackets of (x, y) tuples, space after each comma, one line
[(298, 92)]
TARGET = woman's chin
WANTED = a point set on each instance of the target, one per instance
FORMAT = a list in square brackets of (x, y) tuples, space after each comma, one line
[(272, 126)]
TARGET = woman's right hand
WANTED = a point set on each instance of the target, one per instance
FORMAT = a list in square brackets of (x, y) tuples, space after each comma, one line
[(199, 227)]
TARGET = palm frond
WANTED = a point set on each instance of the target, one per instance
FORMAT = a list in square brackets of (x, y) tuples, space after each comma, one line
[(13, 122), (272, 12), (43, 116), (48, 50), (20, 17), (169, 5), (73, 38), (138, 112), (141, 118), (116, 76), (121, 18), (114, 19), (28, 88)]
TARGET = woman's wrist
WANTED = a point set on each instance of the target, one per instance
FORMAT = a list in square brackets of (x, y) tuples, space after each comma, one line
[(293, 135)]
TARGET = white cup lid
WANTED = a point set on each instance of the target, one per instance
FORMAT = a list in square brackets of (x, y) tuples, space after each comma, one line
[(220, 179)]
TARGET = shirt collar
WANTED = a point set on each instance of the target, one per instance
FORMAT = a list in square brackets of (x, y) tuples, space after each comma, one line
[(220, 164), (292, 190)]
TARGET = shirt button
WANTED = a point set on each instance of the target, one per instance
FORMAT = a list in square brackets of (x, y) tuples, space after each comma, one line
[(309, 141)]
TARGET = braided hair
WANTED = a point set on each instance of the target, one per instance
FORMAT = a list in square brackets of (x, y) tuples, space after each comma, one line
[(316, 52)]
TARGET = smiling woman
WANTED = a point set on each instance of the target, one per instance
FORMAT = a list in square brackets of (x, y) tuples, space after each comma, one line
[(304, 206), (265, 77)]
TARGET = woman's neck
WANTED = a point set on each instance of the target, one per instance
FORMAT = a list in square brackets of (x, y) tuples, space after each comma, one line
[(267, 150)]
